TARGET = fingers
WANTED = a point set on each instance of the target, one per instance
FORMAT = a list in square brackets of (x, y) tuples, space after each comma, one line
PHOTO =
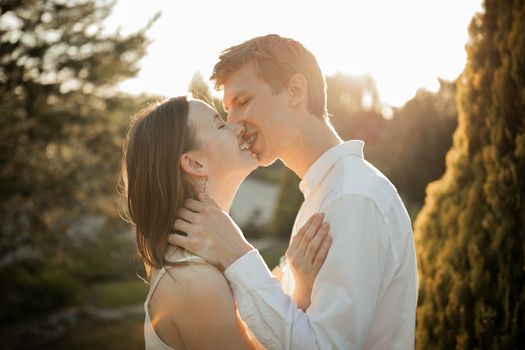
[(297, 239), (179, 240), (322, 253), (187, 215), (314, 246), (188, 242), (309, 233), (308, 224), (183, 226), (194, 205)]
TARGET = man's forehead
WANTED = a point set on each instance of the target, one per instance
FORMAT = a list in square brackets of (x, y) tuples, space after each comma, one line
[(243, 78)]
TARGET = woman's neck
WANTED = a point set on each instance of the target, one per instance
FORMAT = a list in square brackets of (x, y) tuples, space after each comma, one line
[(222, 191)]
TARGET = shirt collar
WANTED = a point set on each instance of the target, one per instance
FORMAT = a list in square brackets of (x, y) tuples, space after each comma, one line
[(320, 167)]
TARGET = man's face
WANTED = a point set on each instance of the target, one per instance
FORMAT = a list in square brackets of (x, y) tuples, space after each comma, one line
[(250, 100)]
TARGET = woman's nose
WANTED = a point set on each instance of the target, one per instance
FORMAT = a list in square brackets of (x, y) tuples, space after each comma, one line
[(238, 128), (233, 116)]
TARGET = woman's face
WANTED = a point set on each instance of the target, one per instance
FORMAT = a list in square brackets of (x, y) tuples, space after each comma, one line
[(220, 143)]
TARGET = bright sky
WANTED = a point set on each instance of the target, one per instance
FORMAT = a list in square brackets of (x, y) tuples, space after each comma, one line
[(403, 44)]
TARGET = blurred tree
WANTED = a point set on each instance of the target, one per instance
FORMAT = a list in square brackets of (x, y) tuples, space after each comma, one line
[(355, 108), (288, 203), (349, 94), (412, 153), (199, 88), (61, 128), (470, 235)]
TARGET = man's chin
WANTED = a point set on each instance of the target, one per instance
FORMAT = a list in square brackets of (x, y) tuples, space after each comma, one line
[(265, 161)]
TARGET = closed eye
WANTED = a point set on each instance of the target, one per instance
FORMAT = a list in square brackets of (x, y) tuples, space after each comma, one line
[(219, 120)]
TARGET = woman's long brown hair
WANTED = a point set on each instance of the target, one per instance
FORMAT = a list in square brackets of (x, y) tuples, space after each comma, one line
[(152, 180)]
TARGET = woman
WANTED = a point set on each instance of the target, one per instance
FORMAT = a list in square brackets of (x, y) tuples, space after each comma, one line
[(174, 150)]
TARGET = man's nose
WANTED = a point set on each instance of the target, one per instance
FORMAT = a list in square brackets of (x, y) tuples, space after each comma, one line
[(233, 116)]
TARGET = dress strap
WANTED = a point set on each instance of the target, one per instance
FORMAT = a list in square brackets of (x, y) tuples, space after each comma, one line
[(155, 281), (191, 258), (162, 271)]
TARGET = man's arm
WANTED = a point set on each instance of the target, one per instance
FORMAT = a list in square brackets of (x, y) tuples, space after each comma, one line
[(345, 295)]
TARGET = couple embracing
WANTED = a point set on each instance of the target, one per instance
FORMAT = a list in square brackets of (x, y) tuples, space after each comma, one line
[(349, 277)]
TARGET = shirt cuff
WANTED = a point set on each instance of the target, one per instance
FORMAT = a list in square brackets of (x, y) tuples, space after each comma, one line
[(249, 270)]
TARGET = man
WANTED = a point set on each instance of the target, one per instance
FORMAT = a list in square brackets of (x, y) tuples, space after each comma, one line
[(365, 294)]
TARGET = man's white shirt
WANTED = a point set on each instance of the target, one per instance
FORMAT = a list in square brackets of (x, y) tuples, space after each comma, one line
[(365, 295)]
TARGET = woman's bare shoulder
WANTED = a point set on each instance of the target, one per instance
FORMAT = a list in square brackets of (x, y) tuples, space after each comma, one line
[(197, 300), (193, 282)]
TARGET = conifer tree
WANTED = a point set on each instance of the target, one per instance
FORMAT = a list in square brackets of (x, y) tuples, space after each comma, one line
[(470, 235), (62, 123)]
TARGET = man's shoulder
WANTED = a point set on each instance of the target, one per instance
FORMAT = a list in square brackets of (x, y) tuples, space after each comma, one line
[(356, 177)]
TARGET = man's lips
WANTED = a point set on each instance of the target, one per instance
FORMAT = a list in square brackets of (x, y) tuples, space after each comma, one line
[(248, 141)]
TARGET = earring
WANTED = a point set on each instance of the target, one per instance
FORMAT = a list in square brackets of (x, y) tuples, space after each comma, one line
[(206, 186)]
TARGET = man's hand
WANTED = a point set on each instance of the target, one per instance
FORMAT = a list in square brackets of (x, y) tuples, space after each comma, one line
[(212, 234)]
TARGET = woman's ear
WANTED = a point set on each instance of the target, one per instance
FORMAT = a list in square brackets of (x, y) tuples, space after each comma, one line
[(191, 166), (298, 89)]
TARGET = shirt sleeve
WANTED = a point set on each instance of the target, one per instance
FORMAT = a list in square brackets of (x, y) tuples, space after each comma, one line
[(345, 294)]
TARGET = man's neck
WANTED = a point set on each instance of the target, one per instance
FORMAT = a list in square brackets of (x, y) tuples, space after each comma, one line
[(311, 141)]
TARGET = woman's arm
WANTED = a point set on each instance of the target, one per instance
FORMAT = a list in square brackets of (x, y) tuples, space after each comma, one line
[(198, 303), (277, 272)]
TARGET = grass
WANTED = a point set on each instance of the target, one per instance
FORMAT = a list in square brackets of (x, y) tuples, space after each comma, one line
[(124, 334)]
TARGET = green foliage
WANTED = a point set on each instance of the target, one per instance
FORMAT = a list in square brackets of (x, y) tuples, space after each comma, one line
[(62, 124), (470, 235), (30, 289), (103, 255), (272, 255), (416, 141), (115, 294), (290, 199)]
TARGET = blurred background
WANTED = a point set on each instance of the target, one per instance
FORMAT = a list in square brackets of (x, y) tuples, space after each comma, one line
[(403, 76)]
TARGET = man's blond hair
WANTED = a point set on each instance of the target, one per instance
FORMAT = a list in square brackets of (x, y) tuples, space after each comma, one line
[(276, 60)]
